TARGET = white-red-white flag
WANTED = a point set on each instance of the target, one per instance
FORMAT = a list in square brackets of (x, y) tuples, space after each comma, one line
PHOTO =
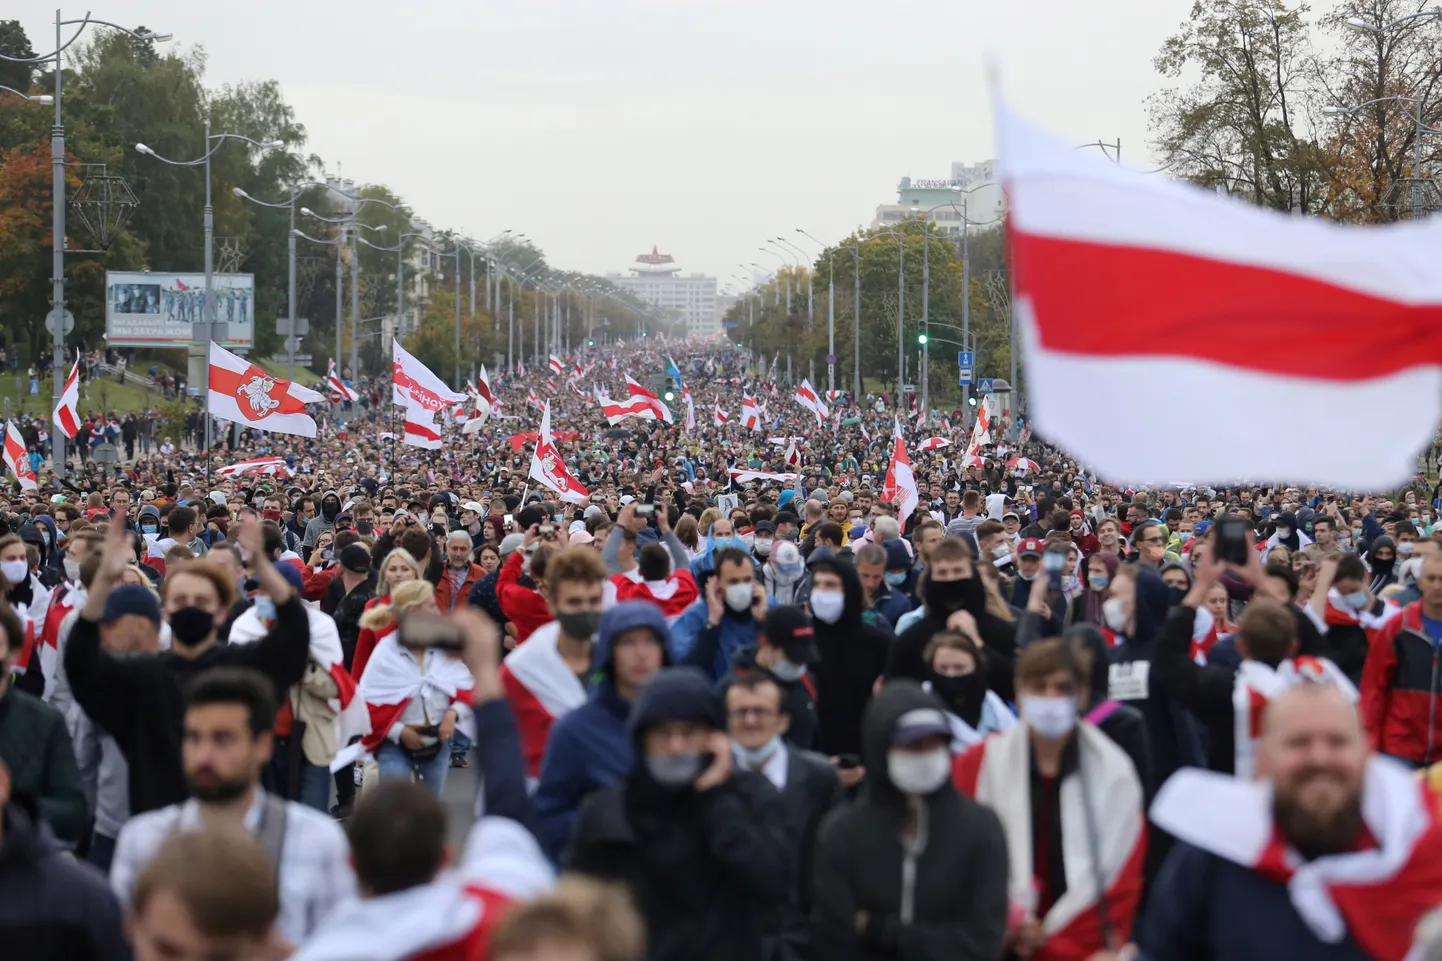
[(272, 466), (421, 429), (636, 390), (793, 456), (750, 419), (720, 417), (339, 389), (807, 398), (1163, 290), (67, 412), (547, 467), (616, 411), (520, 367), (934, 443), (690, 410), (243, 393), (900, 485), (557, 364), (483, 388), (532, 399), (414, 385), (743, 476), (921, 417), (18, 459)]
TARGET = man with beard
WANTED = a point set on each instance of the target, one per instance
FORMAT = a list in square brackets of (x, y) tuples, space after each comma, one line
[(229, 721), (1331, 853)]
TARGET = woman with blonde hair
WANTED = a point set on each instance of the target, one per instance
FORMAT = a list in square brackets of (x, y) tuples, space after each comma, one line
[(428, 715), (398, 568), (708, 517)]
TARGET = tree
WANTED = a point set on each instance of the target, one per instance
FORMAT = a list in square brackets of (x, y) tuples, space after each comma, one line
[(1243, 126), (14, 43), (1372, 149)]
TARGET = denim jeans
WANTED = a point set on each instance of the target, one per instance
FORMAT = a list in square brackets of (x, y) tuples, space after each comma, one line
[(315, 780), (395, 764), (460, 745)]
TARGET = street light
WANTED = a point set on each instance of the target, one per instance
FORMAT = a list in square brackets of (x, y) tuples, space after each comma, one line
[(200, 348), (57, 193), (1358, 25), (37, 98), (900, 308), (1335, 110), (831, 313)]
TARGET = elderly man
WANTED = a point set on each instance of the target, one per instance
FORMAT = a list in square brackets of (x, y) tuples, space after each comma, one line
[(461, 573)]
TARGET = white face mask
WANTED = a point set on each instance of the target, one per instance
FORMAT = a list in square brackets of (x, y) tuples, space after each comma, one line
[(738, 597), (787, 671), (15, 571), (1115, 614), (828, 605), (72, 569), (918, 774), (1404, 548), (1051, 717)]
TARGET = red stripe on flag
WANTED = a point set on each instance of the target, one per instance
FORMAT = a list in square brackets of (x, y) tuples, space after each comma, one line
[(1138, 302)]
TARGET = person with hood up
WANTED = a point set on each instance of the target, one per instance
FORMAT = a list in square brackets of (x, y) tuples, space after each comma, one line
[(323, 521), (1381, 564), (1099, 569), (1288, 533), (853, 654), (782, 573), (701, 844), (589, 747), (912, 869), (956, 676)]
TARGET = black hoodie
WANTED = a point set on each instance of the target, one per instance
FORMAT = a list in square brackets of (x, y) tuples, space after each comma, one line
[(959, 890), (853, 656)]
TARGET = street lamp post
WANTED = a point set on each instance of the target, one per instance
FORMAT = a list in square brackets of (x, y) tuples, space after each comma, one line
[(200, 346), (1420, 129), (57, 196)]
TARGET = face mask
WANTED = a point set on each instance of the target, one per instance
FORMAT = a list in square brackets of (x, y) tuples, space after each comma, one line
[(755, 757), (787, 671), (895, 578), (580, 625), (1025, 576), (147, 528), (1114, 614), (1001, 552), (191, 625), (1284, 532), (674, 772), (945, 597), (1404, 548), (1356, 533), (1184, 536), (1355, 600), (271, 515), (828, 605), (1051, 717), (918, 774), (721, 543), (960, 691), (739, 597), (788, 572), (15, 571), (762, 548), (1099, 582), (265, 608), (72, 569)]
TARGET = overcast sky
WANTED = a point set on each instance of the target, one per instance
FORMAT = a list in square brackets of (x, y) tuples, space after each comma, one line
[(700, 126)]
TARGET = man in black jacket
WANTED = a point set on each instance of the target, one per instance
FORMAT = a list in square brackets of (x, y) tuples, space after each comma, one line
[(701, 845), (138, 700), (911, 869), (756, 718), (853, 653), (52, 907), (357, 585), (785, 645)]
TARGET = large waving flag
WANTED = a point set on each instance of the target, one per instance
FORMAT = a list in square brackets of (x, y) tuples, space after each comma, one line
[(548, 469), (617, 411), (339, 389), (750, 419), (413, 384), (900, 486), (242, 393), (740, 476), (421, 429), (272, 466), (1169, 291), (719, 416), (67, 412), (807, 398), (636, 390), (17, 459), (557, 364)]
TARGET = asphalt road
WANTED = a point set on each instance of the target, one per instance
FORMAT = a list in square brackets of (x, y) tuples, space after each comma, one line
[(459, 799)]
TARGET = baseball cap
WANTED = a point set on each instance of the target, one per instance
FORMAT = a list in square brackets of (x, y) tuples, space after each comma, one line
[(766, 526), (1030, 547), (474, 506), (355, 558), (789, 628), (580, 537), (1011, 515), (923, 722)]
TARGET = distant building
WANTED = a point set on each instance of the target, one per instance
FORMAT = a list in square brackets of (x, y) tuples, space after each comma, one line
[(972, 186), (656, 279)]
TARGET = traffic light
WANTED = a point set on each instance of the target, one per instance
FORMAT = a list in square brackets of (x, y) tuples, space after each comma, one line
[(921, 337), (643, 333), (590, 343), (739, 344), (670, 393), (971, 401)]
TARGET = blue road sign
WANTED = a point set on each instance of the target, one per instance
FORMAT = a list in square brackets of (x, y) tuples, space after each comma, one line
[(965, 358), (984, 385)]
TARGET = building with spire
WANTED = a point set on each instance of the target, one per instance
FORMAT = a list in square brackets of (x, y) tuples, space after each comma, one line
[(657, 279)]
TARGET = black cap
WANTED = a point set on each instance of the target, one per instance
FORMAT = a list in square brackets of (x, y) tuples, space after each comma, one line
[(766, 526), (789, 628), (356, 559)]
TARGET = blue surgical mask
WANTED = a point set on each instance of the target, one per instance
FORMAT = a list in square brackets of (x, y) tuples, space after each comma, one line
[(1355, 600), (1099, 582), (895, 578), (755, 757), (147, 528)]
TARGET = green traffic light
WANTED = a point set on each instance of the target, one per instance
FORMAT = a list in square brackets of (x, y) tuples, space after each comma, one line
[(590, 343), (971, 401), (921, 338), (670, 395), (739, 344)]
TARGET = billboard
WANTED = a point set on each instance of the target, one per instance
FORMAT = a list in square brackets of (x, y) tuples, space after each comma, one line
[(150, 309)]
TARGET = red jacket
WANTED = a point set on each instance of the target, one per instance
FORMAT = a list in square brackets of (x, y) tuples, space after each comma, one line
[(527, 608), (447, 601), (366, 640), (316, 581), (1399, 689)]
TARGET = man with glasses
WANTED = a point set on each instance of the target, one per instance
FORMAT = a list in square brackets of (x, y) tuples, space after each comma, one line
[(1149, 545)]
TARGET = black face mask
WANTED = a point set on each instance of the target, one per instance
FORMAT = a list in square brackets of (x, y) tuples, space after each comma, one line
[(190, 625), (948, 597), (962, 695), (364, 528), (330, 511)]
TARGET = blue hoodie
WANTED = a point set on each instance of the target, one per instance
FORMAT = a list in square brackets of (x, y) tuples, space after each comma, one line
[(589, 748)]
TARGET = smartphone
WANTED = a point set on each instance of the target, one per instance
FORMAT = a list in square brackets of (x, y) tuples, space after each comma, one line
[(1232, 540), (428, 630), (1053, 562), (547, 530), (645, 509), (509, 519)]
